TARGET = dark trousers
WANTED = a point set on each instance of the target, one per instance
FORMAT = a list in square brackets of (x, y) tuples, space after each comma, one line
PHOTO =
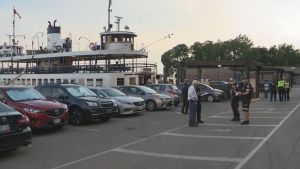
[(273, 94), (193, 112), (235, 108), (185, 106), (280, 94), (266, 93), (287, 94), (198, 110)]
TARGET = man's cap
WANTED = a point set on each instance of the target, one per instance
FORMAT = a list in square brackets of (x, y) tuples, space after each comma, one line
[(246, 77)]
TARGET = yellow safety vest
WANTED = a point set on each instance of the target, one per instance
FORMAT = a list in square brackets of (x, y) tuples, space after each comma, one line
[(287, 85), (280, 83)]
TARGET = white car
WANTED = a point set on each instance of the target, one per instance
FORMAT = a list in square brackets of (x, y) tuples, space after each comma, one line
[(126, 104)]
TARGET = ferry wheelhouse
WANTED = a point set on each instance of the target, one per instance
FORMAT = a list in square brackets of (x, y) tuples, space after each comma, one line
[(113, 62)]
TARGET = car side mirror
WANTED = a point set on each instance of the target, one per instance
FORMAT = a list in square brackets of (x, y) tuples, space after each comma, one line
[(62, 96), (101, 95), (141, 93)]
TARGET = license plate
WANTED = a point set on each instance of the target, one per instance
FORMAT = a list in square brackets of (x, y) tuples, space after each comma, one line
[(141, 107), (109, 111), (56, 121), (4, 128)]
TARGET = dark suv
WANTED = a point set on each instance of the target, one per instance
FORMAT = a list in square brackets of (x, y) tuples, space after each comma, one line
[(83, 104)]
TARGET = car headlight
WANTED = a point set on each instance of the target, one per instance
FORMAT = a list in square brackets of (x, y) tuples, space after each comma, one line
[(66, 107), (161, 98), (92, 104), (32, 111), (123, 102), (218, 93)]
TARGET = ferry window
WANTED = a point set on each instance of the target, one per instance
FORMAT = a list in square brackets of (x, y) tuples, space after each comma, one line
[(81, 82), (58, 80), (51, 80), (47, 91), (4, 81), (120, 81), (33, 82), (73, 80), (40, 81), (45, 81), (99, 82), (17, 82), (90, 82), (23, 81), (66, 80), (28, 82)]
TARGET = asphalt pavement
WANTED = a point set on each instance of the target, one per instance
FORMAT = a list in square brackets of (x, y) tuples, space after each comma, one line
[(162, 140)]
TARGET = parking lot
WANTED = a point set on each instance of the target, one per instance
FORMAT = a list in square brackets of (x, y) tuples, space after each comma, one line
[(162, 139)]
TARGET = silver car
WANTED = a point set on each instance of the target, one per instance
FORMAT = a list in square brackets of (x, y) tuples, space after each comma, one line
[(167, 89), (153, 99), (126, 104)]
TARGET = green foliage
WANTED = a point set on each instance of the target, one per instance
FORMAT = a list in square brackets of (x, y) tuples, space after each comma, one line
[(239, 48)]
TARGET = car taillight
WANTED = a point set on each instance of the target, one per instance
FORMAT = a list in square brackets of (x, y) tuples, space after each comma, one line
[(23, 120), (172, 92)]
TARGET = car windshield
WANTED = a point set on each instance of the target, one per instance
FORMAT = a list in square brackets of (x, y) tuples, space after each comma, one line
[(148, 90), (113, 92), (173, 87), (4, 108), (24, 94), (206, 86), (80, 91)]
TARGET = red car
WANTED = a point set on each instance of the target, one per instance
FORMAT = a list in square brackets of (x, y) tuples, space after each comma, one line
[(41, 112)]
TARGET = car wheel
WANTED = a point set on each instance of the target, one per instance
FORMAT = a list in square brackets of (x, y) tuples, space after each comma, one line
[(76, 117), (210, 98), (150, 105), (176, 103), (104, 119), (58, 127)]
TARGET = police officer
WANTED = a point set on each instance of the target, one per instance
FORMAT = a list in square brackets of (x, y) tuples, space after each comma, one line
[(235, 102), (246, 95), (280, 87), (273, 90), (287, 91)]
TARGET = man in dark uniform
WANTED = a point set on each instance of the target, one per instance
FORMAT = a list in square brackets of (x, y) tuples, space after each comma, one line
[(185, 102), (273, 89), (235, 102), (246, 95), (199, 105)]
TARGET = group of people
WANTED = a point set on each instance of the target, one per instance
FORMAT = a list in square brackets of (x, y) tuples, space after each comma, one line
[(282, 87), (191, 97)]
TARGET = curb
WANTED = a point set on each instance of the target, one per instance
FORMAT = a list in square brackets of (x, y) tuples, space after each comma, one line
[(254, 100)]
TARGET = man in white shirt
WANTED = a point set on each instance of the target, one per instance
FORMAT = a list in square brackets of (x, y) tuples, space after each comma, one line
[(192, 97)]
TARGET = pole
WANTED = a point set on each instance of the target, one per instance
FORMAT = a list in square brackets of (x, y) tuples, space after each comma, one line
[(109, 4)]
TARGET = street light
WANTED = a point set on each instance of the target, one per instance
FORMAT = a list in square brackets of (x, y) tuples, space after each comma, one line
[(33, 40)]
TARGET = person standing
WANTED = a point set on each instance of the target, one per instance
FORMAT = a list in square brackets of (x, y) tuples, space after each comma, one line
[(235, 102), (273, 90), (280, 87), (246, 99), (185, 102), (287, 91), (199, 105), (266, 89), (192, 97)]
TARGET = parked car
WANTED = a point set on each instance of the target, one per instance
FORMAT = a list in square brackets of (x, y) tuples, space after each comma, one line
[(41, 112), (167, 89), (209, 94), (14, 129), (84, 105), (126, 104), (222, 85), (153, 99)]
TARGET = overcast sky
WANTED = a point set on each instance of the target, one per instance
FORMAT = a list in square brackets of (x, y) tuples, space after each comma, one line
[(266, 22)]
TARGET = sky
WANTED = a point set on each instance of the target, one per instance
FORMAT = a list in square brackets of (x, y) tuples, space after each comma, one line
[(265, 22)]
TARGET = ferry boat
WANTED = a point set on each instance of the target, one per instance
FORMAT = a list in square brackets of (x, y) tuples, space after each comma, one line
[(115, 61)]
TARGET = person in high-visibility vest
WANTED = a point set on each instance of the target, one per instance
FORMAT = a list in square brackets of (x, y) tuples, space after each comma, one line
[(287, 91), (280, 88)]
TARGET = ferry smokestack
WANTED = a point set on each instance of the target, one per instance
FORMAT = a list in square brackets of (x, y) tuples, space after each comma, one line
[(54, 23), (49, 23)]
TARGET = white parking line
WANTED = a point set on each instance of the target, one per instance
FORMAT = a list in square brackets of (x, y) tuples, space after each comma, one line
[(234, 125), (246, 159), (221, 159), (79, 128), (219, 137), (229, 117)]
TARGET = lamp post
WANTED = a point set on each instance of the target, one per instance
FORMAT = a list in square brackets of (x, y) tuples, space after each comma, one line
[(85, 38), (33, 40)]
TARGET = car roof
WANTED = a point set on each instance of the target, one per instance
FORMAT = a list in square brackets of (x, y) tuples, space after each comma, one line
[(162, 84), (13, 87)]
